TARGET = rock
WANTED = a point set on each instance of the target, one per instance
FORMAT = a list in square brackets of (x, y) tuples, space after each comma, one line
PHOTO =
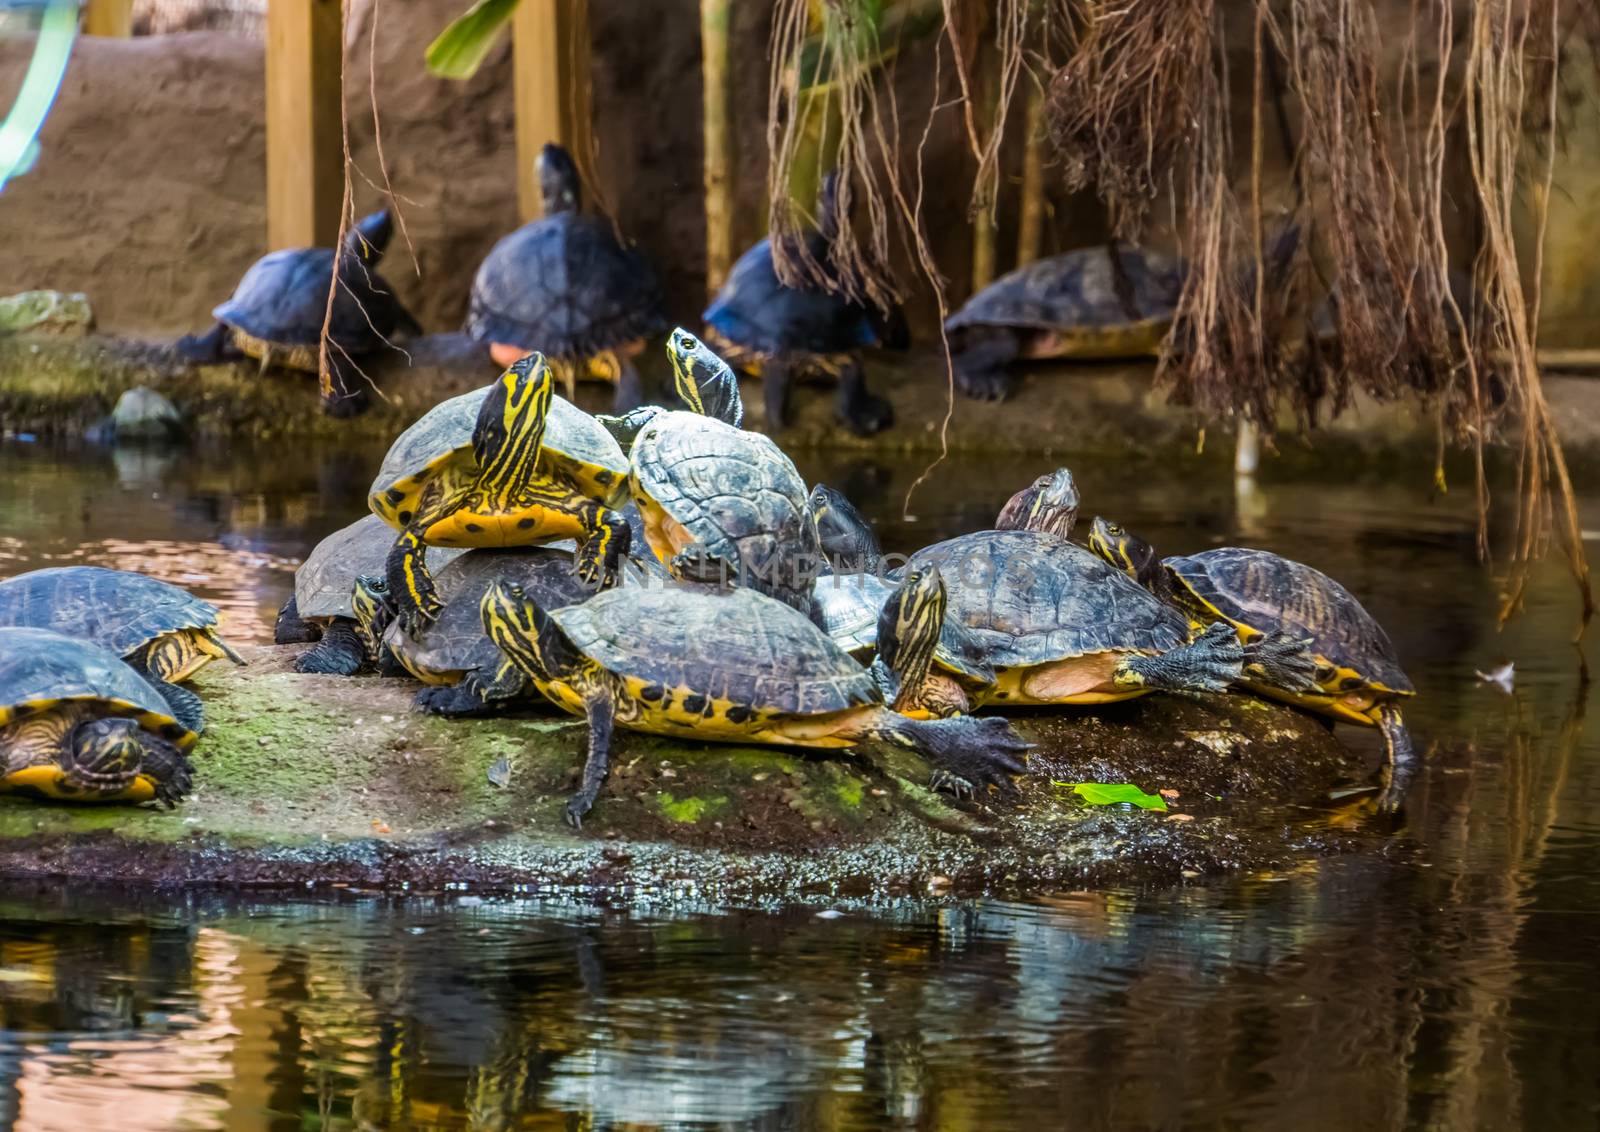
[(141, 415), (733, 822), (46, 312)]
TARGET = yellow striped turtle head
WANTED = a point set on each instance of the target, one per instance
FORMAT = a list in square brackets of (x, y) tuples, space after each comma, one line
[(374, 608), (528, 635), (106, 755), (704, 382), (909, 626), (1049, 504), (1123, 549), (510, 427)]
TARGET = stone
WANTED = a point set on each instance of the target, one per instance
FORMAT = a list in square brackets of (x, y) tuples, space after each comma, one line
[(142, 414), (61, 313)]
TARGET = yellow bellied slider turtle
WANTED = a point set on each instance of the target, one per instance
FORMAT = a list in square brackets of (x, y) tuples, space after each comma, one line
[(508, 465), (321, 609), (728, 665), (466, 673), (1356, 675), (564, 286), (162, 632), (277, 313), (711, 492), (79, 725), (777, 332), (1080, 304)]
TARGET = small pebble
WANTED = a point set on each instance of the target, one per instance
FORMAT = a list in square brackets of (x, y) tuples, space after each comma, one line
[(264, 741), (829, 914)]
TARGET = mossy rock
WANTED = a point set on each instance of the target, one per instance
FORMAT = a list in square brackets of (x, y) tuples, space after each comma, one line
[(309, 780)]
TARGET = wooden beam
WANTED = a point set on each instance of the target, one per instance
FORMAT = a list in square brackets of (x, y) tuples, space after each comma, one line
[(109, 18), (305, 150), (716, 18), (550, 70)]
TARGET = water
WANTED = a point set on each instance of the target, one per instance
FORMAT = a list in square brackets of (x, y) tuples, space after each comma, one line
[(1441, 977)]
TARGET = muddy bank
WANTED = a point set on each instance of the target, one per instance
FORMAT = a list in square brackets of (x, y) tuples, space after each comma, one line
[(318, 782), (60, 386)]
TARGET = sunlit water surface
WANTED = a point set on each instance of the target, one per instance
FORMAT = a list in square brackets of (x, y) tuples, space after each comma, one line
[(1443, 978)]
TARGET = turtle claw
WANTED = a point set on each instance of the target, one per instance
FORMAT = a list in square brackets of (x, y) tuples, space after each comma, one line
[(1283, 662), (984, 385), (958, 787)]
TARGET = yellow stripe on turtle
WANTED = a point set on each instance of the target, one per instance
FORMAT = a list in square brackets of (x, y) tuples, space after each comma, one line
[(157, 722), (50, 782)]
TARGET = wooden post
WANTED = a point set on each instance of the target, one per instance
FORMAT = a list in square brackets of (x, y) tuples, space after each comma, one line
[(717, 92), (110, 18), (305, 150), (550, 65), (1030, 222)]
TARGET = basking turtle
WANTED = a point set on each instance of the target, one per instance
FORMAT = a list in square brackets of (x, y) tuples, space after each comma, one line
[(163, 633), (710, 492), (79, 725), (563, 285), (777, 332), (277, 313), (467, 673), (1354, 673), (727, 665), (321, 609), (845, 537), (511, 464)]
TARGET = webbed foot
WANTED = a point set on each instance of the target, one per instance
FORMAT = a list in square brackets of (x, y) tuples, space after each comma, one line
[(1282, 661)]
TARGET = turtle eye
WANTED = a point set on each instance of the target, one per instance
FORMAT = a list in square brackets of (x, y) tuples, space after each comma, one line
[(1350, 683)]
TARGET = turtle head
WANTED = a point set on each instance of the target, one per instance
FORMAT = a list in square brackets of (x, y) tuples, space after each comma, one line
[(909, 626), (369, 239), (527, 634), (511, 423), (1049, 504), (374, 610), (1123, 549), (558, 180), (105, 756), (704, 381), (844, 534)]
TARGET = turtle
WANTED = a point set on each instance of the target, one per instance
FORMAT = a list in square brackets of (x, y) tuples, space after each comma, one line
[(845, 537), (321, 609), (731, 665), (466, 673), (563, 285), (78, 724), (1107, 301), (278, 311), (1355, 672), (715, 497), (162, 632), (776, 332), (511, 464)]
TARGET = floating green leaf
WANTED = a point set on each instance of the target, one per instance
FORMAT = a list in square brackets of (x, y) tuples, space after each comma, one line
[(1115, 793), (463, 45)]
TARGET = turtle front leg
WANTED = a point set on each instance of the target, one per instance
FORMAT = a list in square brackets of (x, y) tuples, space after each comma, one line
[(980, 365), (1401, 765), (205, 349), (1212, 663), (602, 552), (860, 410), (601, 709), (341, 652), (410, 583), (1281, 661), (481, 691)]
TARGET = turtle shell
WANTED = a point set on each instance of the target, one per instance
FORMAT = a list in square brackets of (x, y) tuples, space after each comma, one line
[(1071, 300), (440, 443), (722, 644), (734, 492), (39, 670), (117, 609), (283, 299), (1268, 593), (565, 286), (1031, 598), (847, 608), (323, 583), (755, 310), (455, 641)]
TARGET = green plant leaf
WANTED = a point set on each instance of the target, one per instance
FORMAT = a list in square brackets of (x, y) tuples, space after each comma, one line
[(1115, 793), (463, 45)]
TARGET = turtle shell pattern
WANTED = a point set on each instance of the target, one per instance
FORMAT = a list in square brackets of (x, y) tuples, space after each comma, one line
[(455, 640), (1075, 290), (115, 608), (39, 670), (323, 583), (283, 300), (756, 311), (735, 492), (1031, 598), (732, 645), (1268, 593), (440, 443), (565, 286)]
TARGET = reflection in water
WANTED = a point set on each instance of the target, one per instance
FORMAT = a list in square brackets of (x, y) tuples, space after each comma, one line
[(1440, 976)]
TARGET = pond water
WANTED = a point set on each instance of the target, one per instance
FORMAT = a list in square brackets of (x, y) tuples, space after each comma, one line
[(1443, 976)]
